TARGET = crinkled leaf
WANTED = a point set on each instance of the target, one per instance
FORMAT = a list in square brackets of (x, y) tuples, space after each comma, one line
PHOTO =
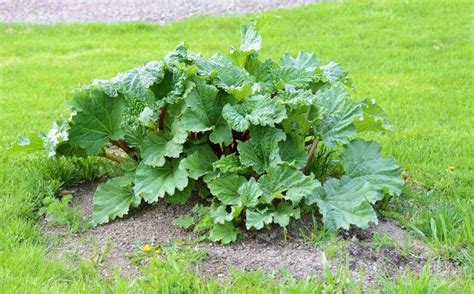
[(261, 151), (156, 147), (240, 92), (287, 182), (203, 113), (373, 118), (226, 188), (136, 82), (179, 54), (299, 71), (337, 115), (174, 85), (250, 39), (235, 115), (147, 117), (202, 110), (295, 98), (230, 164), (221, 134), (224, 233), (304, 61), (293, 151), (134, 136), (154, 182), (224, 73), (263, 73), (181, 197), (344, 202), (113, 199), (293, 77), (283, 213), (255, 110), (97, 120), (334, 72), (363, 163), (220, 215), (107, 86), (250, 193), (257, 219), (199, 162), (301, 119)]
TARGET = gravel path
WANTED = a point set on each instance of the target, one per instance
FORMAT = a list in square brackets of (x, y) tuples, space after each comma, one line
[(162, 11)]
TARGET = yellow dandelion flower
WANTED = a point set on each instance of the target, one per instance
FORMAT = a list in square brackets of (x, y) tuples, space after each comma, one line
[(451, 168), (147, 248)]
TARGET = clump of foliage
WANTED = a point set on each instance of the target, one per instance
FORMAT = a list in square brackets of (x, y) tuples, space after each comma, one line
[(248, 135), (59, 212)]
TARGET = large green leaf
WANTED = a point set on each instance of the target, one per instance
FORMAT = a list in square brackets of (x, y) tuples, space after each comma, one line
[(220, 215), (226, 188), (334, 72), (203, 109), (97, 120), (293, 151), (224, 73), (258, 219), (286, 182), (299, 71), (156, 147), (199, 162), (300, 119), (373, 119), (154, 182), (263, 73), (224, 233), (261, 151), (136, 82), (113, 199), (305, 61), (344, 202), (230, 164), (294, 98), (250, 39), (250, 193), (283, 213), (337, 115), (203, 113), (181, 197), (363, 163), (255, 110), (293, 77)]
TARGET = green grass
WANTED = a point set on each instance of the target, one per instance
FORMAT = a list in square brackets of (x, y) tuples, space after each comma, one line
[(414, 57)]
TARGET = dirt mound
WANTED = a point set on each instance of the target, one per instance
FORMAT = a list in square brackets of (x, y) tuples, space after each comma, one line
[(383, 249)]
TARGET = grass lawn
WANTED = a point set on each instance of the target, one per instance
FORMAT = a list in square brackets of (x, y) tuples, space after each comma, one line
[(414, 57)]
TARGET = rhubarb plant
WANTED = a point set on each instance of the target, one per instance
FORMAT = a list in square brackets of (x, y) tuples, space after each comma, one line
[(240, 132)]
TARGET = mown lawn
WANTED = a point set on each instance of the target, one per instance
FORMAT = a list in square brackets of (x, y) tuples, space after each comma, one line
[(414, 57)]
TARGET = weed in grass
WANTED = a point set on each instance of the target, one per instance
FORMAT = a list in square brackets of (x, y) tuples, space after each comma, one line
[(380, 241), (59, 212)]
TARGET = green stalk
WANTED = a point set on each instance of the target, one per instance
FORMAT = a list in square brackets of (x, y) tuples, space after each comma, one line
[(312, 149)]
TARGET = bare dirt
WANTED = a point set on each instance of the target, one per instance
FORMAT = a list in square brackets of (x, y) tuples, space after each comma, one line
[(268, 251)]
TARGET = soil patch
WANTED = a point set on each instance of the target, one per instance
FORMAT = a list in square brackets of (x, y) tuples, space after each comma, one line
[(382, 249)]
